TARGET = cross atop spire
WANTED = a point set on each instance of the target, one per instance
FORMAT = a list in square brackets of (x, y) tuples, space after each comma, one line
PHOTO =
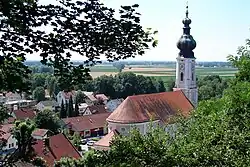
[(187, 10)]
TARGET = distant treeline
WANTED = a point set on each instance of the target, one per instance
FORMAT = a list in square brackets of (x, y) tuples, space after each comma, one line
[(149, 63)]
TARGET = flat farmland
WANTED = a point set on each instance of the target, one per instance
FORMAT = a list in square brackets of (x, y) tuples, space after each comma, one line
[(160, 71)]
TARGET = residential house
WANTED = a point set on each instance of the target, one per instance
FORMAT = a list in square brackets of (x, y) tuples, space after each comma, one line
[(65, 96), (97, 109), (88, 125), (23, 114), (2, 98), (113, 104), (48, 104), (7, 138), (93, 99), (102, 98), (41, 134), (54, 148), (85, 109), (17, 104), (104, 143), (10, 96), (140, 111)]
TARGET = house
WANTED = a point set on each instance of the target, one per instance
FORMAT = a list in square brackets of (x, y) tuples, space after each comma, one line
[(40, 134), (140, 111), (2, 98), (23, 114), (54, 148), (97, 109), (65, 96), (88, 125), (17, 104), (113, 104), (92, 98), (85, 109), (7, 138), (48, 104), (102, 98), (104, 143), (10, 96)]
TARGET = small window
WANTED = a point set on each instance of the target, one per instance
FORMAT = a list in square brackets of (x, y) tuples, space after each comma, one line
[(181, 76), (9, 145), (12, 144), (123, 129), (192, 76)]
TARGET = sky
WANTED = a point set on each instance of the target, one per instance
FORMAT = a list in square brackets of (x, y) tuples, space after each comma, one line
[(218, 26)]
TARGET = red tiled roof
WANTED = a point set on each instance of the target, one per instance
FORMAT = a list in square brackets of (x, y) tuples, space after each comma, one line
[(97, 109), (24, 113), (157, 106), (105, 141), (101, 97), (91, 97), (59, 146), (68, 94), (39, 132), (87, 122), (11, 120), (5, 131)]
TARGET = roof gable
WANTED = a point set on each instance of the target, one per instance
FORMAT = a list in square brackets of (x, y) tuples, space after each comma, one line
[(157, 106), (59, 146)]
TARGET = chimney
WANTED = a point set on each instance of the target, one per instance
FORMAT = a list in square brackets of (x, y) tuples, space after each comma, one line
[(15, 107)]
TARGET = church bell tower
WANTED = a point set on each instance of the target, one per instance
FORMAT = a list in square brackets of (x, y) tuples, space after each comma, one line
[(185, 66)]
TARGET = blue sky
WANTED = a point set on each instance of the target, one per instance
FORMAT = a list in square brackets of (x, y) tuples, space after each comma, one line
[(218, 26)]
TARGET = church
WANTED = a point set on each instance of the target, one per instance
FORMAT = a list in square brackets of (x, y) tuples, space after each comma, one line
[(157, 109)]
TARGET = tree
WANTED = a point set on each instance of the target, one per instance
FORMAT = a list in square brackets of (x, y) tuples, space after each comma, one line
[(97, 33), (63, 111), (70, 107), (242, 62), (47, 120), (3, 113), (39, 94), (22, 132), (76, 108)]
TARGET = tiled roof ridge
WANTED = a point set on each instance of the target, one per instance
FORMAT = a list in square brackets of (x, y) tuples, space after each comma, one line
[(71, 144)]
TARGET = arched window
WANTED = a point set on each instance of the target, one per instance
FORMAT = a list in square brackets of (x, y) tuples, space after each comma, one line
[(192, 76), (181, 76)]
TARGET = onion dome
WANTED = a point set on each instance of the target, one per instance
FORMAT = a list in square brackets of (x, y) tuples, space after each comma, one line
[(186, 43)]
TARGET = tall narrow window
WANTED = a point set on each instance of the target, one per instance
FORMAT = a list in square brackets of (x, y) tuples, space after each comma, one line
[(192, 76), (181, 76)]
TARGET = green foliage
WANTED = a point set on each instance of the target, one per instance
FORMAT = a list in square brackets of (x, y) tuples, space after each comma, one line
[(99, 32), (22, 132), (242, 62), (3, 113), (126, 84), (76, 108), (47, 120), (70, 107), (76, 140), (212, 86), (39, 94), (38, 161), (63, 111)]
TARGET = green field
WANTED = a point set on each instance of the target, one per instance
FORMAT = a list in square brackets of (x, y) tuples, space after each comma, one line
[(164, 73)]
